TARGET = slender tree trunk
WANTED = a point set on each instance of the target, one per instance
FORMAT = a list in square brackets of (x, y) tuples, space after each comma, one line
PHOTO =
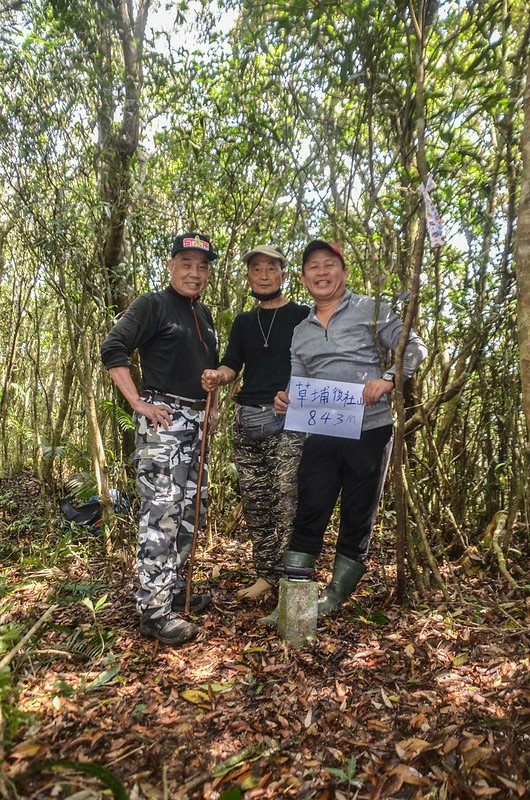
[(401, 516), (21, 306), (78, 332), (522, 261), (57, 432), (121, 149)]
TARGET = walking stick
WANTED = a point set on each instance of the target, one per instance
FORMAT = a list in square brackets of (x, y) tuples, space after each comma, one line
[(198, 501)]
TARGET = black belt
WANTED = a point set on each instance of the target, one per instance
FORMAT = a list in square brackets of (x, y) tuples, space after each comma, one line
[(173, 400)]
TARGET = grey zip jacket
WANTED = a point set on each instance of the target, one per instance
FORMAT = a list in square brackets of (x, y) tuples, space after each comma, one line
[(346, 350)]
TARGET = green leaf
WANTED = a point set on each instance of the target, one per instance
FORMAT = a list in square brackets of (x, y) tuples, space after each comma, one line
[(104, 677), (347, 775), (88, 768), (234, 793), (123, 418), (378, 618), (339, 773), (87, 601), (139, 709), (101, 603), (196, 696), (219, 687), (249, 783), (357, 606), (352, 767)]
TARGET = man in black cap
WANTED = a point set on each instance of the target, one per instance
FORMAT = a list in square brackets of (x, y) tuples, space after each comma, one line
[(175, 337)]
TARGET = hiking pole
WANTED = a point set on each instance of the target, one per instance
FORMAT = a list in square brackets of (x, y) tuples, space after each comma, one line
[(198, 501)]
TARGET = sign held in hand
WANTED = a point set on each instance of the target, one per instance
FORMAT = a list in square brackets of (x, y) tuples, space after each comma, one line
[(331, 408)]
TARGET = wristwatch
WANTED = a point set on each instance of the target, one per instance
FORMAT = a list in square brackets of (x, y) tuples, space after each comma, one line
[(389, 376)]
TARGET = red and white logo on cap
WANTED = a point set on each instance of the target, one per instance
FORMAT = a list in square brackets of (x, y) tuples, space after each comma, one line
[(196, 242), (334, 246)]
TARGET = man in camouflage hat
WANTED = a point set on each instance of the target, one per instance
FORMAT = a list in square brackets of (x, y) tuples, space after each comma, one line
[(175, 337), (265, 455)]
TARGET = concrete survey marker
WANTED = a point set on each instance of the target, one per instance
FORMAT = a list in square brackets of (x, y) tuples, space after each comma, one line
[(297, 611)]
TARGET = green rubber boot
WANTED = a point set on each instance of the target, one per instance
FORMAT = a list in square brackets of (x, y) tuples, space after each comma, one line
[(346, 575), (291, 558)]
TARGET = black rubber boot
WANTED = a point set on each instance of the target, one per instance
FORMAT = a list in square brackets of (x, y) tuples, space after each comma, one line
[(291, 558), (346, 575)]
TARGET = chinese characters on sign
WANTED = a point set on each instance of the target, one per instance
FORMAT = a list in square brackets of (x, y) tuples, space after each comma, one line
[(331, 408)]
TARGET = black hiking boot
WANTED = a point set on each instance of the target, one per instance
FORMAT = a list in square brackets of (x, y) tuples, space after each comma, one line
[(198, 602), (170, 629)]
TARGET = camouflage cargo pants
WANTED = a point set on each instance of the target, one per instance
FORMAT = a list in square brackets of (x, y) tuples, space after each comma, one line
[(167, 465), (267, 472)]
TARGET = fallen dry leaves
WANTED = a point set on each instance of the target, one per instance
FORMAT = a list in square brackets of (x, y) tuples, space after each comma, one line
[(431, 701)]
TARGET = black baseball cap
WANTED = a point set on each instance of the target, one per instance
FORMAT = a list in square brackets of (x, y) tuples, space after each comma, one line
[(193, 241), (320, 244)]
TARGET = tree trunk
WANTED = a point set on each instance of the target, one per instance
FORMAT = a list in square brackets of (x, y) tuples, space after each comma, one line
[(401, 517), (121, 148), (522, 261)]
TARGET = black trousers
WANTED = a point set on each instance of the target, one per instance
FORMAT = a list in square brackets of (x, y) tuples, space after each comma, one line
[(353, 468)]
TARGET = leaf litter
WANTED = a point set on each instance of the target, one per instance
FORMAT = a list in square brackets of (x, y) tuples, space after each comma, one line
[(428, 701)]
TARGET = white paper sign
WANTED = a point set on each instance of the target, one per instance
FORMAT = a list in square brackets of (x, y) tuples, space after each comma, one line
[(331, 408)]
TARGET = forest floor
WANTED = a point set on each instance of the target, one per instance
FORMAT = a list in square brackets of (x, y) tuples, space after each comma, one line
[(430, 700)]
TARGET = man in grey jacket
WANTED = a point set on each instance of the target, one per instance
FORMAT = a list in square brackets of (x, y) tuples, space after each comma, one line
[(336, 342)]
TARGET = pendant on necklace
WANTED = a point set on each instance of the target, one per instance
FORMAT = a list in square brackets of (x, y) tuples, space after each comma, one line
[(266, 338)]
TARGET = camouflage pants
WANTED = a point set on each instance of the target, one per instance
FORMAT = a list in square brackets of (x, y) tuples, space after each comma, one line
[(167, 465), (267, 472)]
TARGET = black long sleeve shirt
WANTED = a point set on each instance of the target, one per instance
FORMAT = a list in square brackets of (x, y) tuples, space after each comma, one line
[(175, 338), (267, 369)]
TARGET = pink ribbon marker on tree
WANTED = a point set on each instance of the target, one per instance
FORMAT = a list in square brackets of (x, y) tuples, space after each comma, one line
[(434, 221)]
